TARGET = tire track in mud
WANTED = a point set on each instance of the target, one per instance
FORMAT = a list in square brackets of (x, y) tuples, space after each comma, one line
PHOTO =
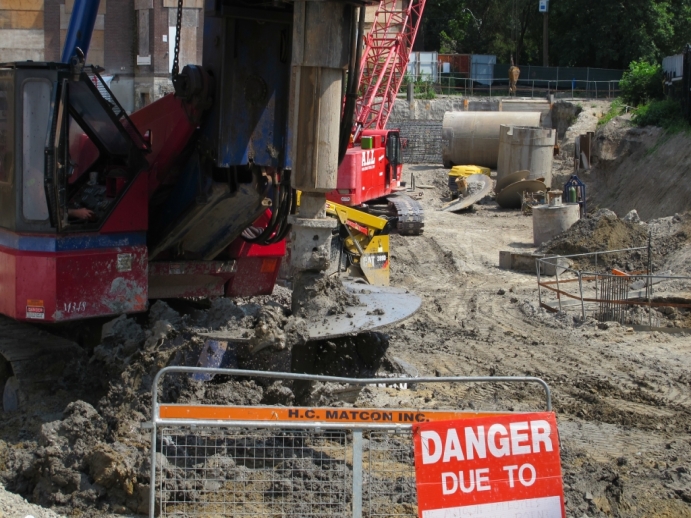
[(640, 406), (623, 399), (425, 266)]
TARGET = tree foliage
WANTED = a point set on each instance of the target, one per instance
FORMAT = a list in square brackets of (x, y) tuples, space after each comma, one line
[(594, 33), (641, 83), (497, 27), (663, 113)]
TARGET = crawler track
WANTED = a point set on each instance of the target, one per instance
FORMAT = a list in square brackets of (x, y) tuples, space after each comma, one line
[(409, 213)]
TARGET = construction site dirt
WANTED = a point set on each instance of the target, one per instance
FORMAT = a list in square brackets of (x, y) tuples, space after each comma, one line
[(622, 397)]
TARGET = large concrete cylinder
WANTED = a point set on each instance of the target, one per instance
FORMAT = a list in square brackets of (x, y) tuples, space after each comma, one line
[(472, 138), (526, 148), (550, 221)]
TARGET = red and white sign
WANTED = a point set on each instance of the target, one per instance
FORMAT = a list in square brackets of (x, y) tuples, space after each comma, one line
[(489, 467), (35, 309)]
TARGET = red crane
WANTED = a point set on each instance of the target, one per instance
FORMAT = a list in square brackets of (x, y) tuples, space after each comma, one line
[(370, 174), (386, 56)]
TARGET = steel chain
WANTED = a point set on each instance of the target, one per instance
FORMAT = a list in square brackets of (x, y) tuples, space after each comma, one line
[(178, 28)]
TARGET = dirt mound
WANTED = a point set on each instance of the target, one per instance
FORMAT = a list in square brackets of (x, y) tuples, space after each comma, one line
[(671, 242), (639, 168), (601, 231), (14, 505), (669, 237), (564, 115), (319, 295), (92, 454), (572, 121)]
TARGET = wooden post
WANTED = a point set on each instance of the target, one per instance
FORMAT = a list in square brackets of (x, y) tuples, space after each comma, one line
[(545, 40)]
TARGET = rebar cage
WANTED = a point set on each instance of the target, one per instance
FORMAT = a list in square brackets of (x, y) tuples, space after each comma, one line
[(229, 461), (608, 294)]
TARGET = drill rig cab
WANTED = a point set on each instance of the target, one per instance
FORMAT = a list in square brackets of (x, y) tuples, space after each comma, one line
[(45, 113), (371, 169), (160, 223), (190, 196)]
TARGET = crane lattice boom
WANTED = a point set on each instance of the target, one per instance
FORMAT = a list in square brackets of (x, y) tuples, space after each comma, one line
[(385, 62)]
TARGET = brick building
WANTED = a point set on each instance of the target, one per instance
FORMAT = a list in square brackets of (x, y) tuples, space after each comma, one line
[(133, 40)]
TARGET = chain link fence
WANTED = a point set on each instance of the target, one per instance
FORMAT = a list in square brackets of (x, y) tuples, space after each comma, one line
[(455, 84), (214, 461)]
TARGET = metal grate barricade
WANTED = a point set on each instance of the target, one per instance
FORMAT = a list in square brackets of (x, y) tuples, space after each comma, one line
[(217, 461), (609, 294), (242, 472)]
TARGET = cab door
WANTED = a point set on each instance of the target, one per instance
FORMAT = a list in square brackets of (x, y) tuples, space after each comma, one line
[(393, 157)]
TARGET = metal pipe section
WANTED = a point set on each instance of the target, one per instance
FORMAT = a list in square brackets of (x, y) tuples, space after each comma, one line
[(588, 254), (526, 149), (321, 41), (472, 138), (80, 29), (321, 37), (281, 425), (350, 381), (357, 37), (357, 473), (550, 221)]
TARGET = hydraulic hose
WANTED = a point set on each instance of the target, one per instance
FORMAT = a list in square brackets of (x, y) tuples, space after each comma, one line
[(283, 201), (353, 86)]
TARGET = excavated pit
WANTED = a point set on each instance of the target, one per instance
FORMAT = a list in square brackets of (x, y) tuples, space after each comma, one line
[(622, 398), (81, 449)]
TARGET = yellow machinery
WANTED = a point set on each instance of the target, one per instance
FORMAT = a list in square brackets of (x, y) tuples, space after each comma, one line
[(365, 243), (460, 172)]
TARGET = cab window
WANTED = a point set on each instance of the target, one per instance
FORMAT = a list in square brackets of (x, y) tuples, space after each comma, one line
[(5, 132), (36, 98), (393, 148)]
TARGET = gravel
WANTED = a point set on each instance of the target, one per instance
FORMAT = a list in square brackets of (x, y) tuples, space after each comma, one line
[(14, 506)]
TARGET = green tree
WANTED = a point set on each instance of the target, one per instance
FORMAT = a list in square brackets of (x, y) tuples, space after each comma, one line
[(641, 83), (594, 33), (480, 27), (609, 34)]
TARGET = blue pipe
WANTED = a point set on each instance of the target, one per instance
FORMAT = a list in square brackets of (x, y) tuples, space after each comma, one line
[(80, 29)]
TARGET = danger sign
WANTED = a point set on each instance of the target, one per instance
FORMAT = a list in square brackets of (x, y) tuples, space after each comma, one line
[(500, 466)]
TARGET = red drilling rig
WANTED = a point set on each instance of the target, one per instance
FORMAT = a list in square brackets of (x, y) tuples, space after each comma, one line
[(370, 173)]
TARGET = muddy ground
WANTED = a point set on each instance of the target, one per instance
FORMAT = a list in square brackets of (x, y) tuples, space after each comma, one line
[(623, 398)]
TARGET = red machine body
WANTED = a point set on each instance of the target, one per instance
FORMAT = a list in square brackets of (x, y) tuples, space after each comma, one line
[(49, 275), (368, 174), (48, 279)]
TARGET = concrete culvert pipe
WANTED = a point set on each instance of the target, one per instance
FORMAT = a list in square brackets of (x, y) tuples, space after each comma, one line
[(526, 148), (472, 138), (550, 221)]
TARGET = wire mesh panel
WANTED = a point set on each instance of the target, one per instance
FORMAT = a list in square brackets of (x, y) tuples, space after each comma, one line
[(389, 469), (423, 140), (213, 461), (217, 472)]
